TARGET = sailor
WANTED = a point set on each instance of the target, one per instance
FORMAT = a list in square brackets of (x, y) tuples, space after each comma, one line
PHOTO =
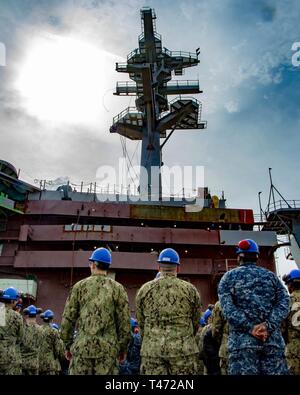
[(220, 329), (292, 323), (30, 346), (255, 303), (51, 348), (19, 306), (133, 360), (168, 314), (11, 333), (98, 306), (210, 347)]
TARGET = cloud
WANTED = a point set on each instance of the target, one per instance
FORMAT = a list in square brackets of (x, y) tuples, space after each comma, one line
[(232, 106), (245, 56)]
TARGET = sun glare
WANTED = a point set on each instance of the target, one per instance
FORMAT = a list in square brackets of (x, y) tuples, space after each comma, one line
[(62, 80)]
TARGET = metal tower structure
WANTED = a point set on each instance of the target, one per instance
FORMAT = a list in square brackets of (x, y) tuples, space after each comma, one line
[(150, 68), (283, 217)]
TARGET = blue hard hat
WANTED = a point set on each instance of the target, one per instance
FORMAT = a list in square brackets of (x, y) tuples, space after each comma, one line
[(207, 314), (54, 326), (247, 245), (133, 323), (32, 311), (48, 314), (294, 275), (101, 255), (169, 256), (10, 294)]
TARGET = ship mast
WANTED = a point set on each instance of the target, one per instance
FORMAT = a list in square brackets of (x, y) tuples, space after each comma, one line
[(150, 68)]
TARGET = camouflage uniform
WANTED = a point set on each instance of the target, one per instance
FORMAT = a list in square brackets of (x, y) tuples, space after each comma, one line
[(250, 295), (30, 349), (220, 330), (51, 351), (168, 315), (99, 306), (292, 334), (199, 340), (11, 335)]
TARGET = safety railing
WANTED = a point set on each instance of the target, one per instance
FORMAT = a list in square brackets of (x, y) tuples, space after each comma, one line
[(156, 35), (192, 99), (284, 204), (179, 54), (131, 110), (121, 66), (143, 9), (184, 83)]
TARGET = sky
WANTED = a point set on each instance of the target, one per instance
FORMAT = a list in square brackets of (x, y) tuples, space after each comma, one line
[(57, 102)]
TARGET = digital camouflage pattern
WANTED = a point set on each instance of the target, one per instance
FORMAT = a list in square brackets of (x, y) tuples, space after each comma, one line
[(186, 365), (220, 331), (51, 351), (292, 334), (99, 308), (250, 295), (30, 348), (11, 335), (253, 361), (199, 340), (168, 314)]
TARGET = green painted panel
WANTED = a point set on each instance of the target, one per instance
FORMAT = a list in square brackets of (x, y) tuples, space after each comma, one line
[(25, 287), (165, 213)]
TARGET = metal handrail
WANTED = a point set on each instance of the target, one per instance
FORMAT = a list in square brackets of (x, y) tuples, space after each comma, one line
[(132, 53), (125, 84), (174, 54), (148, 9), (185, 98), (121, 65), (156, 35), (183, 83), (132, 110), (281, 204)]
